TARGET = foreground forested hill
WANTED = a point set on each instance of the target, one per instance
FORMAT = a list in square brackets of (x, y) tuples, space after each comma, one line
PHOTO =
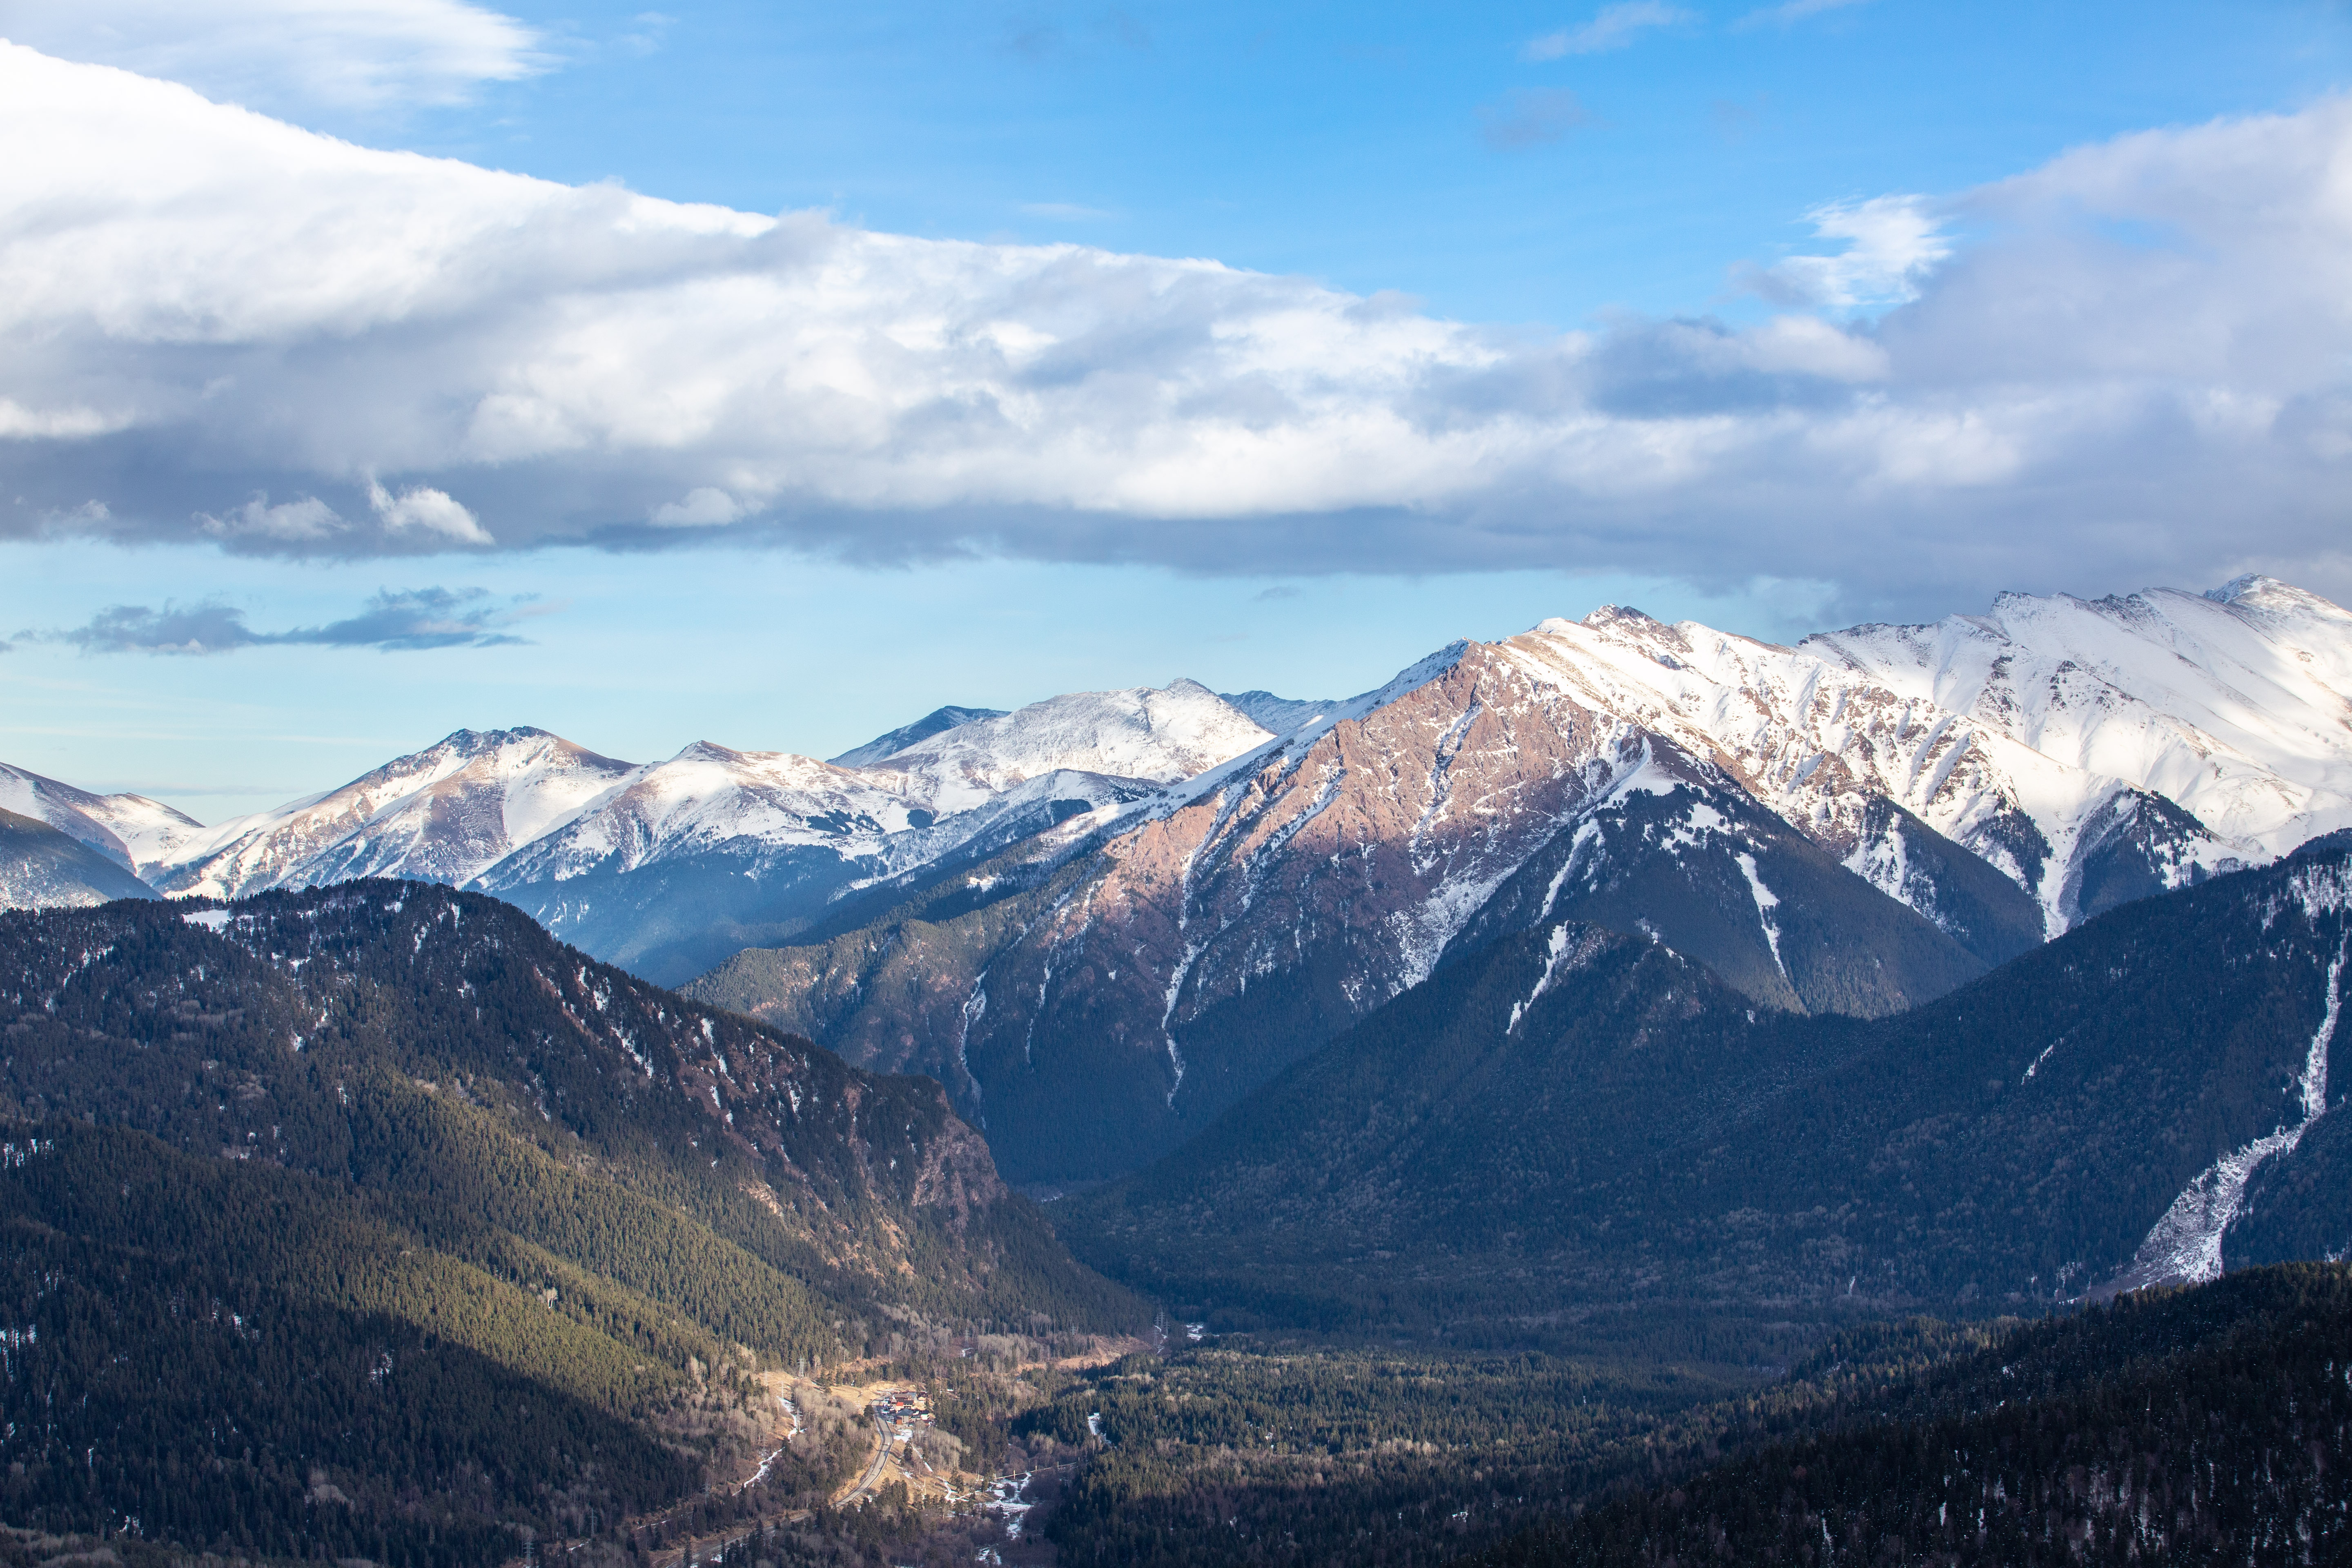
[(373, 1222), (2204, 1425)]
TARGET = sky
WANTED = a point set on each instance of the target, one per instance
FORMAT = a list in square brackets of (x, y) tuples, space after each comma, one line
[(771, 373)]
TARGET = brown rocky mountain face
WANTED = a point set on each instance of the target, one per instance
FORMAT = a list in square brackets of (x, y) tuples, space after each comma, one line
[(1092, 1013)]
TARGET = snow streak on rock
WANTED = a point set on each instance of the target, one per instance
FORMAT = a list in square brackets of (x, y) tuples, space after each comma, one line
[(2185, 1247)]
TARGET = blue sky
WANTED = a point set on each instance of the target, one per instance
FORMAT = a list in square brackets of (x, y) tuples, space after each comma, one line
[(1358, 142), (1775, 317)]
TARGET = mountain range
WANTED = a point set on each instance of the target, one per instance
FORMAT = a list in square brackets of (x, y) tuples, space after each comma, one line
[(1101, 920), (1820, 832)]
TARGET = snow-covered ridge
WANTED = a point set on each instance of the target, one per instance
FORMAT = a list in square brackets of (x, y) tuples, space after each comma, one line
[(506, 809), (889, 745), (2037, 737), (2170, 734), (444, 814), (1163, 735), (130, 830), (2235, 704)]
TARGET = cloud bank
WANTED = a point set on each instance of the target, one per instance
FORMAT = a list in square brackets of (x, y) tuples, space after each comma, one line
[(404, 620), (2131, 365)]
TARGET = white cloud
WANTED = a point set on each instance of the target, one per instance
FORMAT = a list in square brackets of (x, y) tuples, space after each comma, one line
[(18, 422), (426, 511), (2142, 338), (344, 54), (294, 522), (1891, 243), (1613, 27), (704, 506)]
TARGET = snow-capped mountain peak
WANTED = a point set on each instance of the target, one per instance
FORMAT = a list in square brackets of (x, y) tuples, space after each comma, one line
[(130, 830), (1161, 734), (936, 722), (440, 814), (2236, 705)]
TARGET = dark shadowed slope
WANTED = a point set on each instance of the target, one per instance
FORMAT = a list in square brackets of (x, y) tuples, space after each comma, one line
[(1569, 1119)]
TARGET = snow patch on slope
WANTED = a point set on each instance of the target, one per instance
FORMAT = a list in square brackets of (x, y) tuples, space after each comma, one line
[(1554, 950), (1765, 904)]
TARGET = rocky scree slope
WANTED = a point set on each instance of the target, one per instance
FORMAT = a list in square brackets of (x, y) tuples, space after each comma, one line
[(1573, 1120)]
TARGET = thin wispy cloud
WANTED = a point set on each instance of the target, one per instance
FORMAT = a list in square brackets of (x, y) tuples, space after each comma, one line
[(648, 30), (1792, 11), (341, 54), (1613, 27), (1530, 117), (214, 326), (406, 620)]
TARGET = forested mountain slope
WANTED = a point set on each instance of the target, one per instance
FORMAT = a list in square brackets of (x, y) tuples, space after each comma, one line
[(1571, 1120), (433, 1157)]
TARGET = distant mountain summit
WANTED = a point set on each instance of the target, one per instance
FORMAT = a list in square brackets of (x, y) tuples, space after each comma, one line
[(932, 724), (670, 866), (135, 833), (2210, 724), (446, 814)]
